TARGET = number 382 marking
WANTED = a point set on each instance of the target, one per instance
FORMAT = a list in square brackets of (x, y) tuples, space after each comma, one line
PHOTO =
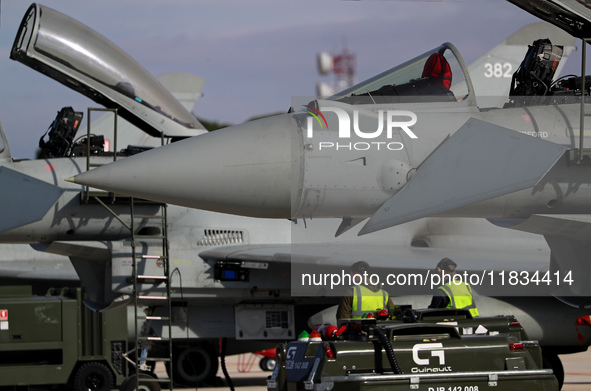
[(497, 70)]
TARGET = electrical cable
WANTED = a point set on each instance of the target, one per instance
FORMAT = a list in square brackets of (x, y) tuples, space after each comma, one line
[(223, 362), (389, 350), (178, 271)]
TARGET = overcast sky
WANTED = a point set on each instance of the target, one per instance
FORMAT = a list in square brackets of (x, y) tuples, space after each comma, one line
[(255, 55)]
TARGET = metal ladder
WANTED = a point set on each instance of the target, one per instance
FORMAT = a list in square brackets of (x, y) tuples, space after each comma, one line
[(140, 263), (145, 295), (88, 194)]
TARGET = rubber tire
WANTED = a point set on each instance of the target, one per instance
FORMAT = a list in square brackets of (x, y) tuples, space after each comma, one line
[(129, 384), (268, 364), (93, 376), (552, 361), (186, 361)]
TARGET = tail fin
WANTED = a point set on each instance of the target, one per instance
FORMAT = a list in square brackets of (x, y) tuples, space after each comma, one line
[(491, 74), (186, 88), (4, 150)]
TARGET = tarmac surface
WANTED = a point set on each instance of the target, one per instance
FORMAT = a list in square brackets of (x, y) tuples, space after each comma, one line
[(247, 376), (577, 371)]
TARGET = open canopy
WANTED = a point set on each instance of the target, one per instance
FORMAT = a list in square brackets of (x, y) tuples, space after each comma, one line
[(573, 16), (84, 60)]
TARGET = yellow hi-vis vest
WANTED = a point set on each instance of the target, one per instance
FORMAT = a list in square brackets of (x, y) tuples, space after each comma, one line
[(460, 297), (365, 300)]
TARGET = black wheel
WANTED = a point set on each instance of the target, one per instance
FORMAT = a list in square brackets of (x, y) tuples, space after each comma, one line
[(194, 365), (93, 376), (130, 383), (552, 361), (267, 364)]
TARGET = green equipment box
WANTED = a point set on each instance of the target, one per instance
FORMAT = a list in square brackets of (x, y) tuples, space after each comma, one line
[(370, 355), (55, 339)]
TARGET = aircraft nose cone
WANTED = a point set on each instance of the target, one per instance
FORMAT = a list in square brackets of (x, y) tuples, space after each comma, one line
[(243, 169)]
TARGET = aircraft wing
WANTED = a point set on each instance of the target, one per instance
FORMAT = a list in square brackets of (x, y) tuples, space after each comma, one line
[(334, 260), (344, 255), (24, 199), (575, 226), (568, 239), (478, 162)]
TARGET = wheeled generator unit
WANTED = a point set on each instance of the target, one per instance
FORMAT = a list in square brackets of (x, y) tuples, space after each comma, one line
[(55, 339)]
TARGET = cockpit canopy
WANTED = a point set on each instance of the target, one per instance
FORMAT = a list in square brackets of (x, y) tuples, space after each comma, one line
[(84, 60), (434, 76)]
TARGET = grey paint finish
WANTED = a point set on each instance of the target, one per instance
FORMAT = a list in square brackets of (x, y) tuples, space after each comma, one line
[(24, 199), (459, 172)]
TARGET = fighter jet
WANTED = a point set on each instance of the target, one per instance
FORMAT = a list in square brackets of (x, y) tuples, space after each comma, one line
[(408, 143), (301, 171), (232, 258), (337, 167), (19, 261)]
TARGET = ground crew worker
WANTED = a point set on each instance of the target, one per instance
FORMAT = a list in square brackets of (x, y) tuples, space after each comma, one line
[(362, 299), (453, 294)]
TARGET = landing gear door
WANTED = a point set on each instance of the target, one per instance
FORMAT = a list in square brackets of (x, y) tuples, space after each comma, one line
[(265, 321)]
